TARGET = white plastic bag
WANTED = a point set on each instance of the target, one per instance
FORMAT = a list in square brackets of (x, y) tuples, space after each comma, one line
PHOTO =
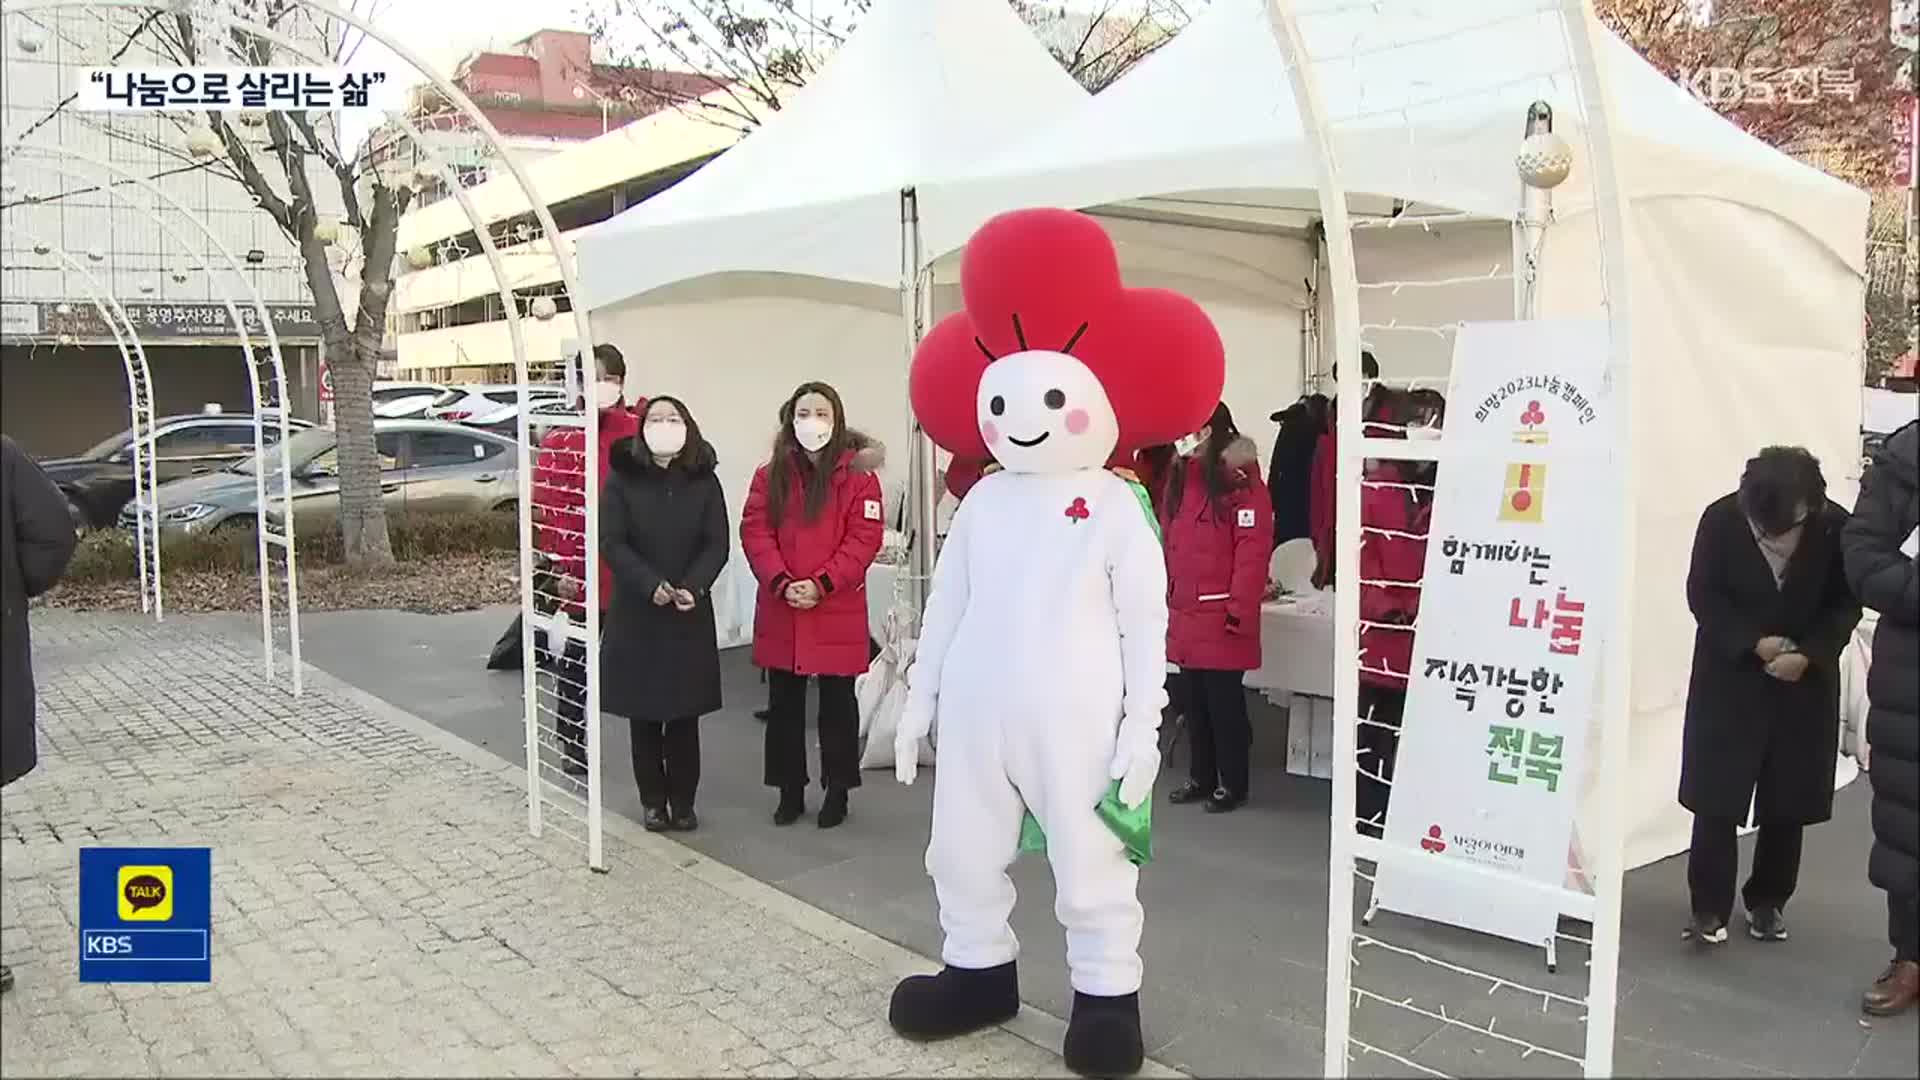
[(878, 753)]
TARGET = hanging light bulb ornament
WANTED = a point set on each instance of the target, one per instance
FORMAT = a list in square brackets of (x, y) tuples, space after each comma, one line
[(31, 38), (326, 229), (253, 119), (420, 258), (1545, 160), (543, 308), (42, 249), (202, 142)]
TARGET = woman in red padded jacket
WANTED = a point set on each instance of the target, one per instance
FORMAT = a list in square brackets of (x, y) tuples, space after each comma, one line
[(1396, 506), (1217, 524), (813, 523)]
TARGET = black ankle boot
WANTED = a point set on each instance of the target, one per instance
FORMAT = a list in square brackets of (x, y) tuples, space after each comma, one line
[(834, 810), (956, 1002), (1103, 1038), (793, 803)]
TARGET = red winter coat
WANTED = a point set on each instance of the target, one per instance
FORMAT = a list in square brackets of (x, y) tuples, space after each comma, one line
[(1386, 652), (559, 496), (1321, 502), (834, 551), (1217, 566)]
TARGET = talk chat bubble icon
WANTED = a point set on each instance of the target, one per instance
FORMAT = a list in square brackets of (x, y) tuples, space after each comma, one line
[(146, 893)]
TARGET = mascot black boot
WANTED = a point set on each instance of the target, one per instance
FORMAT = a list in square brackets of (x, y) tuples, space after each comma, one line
[(958, 1001), (1103, 1038)]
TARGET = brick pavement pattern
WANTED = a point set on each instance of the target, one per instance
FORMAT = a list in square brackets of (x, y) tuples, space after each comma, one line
[(379, 907)]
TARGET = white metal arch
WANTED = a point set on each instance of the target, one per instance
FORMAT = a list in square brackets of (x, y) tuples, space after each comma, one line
[(146, 536), (265, 534), (588, 634), (1581, 32), (54, 165)]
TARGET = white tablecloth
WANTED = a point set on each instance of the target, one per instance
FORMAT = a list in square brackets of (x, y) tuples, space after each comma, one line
[(1296, 650)]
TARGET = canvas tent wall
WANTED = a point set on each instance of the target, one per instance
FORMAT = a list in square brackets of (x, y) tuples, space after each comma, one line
[(1746, 265)]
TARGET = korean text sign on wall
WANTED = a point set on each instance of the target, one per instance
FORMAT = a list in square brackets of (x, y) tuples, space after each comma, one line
[(1514, 606), (146, 914)]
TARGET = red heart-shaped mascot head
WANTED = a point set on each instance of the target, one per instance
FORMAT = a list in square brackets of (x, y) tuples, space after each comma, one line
[(1054, 364)]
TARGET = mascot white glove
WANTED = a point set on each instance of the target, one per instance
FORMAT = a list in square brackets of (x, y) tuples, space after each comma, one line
[(916, 722), (1136, 761)]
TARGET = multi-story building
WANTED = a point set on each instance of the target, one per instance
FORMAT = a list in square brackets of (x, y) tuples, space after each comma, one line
[(62, 386), (447, 318), (542, 95)]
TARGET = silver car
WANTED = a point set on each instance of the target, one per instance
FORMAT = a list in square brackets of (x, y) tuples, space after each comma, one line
[(425, 465)]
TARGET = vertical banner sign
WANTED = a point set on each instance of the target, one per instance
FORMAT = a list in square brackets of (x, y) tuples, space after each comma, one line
[(146, 915), (1513, 611)]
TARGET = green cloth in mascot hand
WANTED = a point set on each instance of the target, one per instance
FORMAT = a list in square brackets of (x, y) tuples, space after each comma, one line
[(1134, 827)]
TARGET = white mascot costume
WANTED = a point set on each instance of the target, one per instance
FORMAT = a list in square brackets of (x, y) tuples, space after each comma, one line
[(1043, 647)]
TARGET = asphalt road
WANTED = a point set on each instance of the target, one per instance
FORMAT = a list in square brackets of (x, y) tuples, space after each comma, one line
[(1236, 905)]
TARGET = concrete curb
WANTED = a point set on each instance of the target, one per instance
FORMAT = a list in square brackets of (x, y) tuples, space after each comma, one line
[(1042, 1029)]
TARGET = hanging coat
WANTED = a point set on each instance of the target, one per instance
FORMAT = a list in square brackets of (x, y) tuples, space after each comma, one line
[(36, 541), (834, 551), (1887, 579), (1217, 564), (1290, 470), (1747, 734), (560, 501), (658, 663)]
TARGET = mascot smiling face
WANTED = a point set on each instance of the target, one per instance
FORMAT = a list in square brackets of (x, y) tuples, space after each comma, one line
[(1054, 364)]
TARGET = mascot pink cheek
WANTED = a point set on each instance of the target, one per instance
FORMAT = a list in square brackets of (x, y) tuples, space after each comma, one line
[(1078, 421), (990, 433)]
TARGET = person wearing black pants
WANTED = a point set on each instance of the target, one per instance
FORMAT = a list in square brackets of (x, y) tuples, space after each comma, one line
[(813, 522), (1713, 866), (663, 530), (1377, 740), (1772, 608), (1219, 734), (1216, 522), (839, 732)]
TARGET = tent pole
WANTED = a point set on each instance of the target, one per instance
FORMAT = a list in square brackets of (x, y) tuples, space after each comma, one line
[(920, 487)]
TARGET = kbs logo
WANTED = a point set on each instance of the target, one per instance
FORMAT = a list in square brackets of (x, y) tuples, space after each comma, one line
[(146, 893)]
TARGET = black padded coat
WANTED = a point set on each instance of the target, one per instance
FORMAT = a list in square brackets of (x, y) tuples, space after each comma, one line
[(1888, 581), (36, 540)]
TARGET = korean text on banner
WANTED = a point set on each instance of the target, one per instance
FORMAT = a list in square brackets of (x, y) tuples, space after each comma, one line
[(1514, 608)]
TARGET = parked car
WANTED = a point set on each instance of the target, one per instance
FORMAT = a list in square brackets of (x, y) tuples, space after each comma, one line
[(485, 404), (99, 483), (407, 400), (425, 465), (543, 415)]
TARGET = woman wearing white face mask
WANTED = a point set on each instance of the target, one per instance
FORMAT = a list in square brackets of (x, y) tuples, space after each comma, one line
[(812, 525), (663, 532)]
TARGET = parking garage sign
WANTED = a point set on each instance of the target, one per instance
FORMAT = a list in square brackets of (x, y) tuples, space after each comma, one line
[(182, 319)]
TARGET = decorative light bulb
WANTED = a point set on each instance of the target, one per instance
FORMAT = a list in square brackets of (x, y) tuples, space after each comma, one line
[(326, 229), (543, 308), (420, 258), (202, 142), (42, 249), (1545, 160), (31, 38)]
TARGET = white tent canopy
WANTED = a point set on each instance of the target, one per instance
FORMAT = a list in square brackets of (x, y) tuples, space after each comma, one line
[(922, 90), (1745, 266)]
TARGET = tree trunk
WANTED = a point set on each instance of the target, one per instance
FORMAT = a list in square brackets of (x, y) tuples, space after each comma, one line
[(363, 511)]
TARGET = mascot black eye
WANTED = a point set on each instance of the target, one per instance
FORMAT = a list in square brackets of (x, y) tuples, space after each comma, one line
[(997, 406), (1055, 399)]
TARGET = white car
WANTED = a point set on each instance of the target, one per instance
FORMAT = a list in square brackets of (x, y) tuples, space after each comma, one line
[(405, 400), (484, 405)]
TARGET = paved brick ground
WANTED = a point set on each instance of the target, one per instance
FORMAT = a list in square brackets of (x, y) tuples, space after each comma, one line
[(379, 908)]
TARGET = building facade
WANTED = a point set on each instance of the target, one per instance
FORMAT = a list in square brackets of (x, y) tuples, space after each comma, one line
[(447, 320), (62, 384)]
